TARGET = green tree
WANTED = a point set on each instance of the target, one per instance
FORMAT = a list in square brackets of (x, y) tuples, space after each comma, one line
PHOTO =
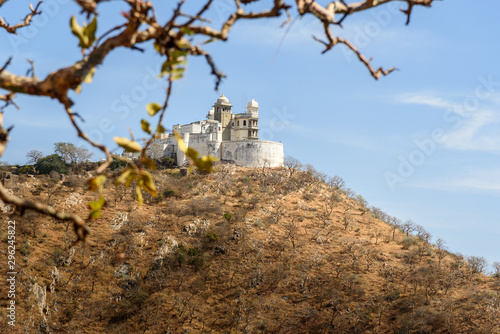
[(50, 163)]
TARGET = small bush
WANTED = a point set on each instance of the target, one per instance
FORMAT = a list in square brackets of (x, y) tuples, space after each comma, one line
[(138, 299), (169, 193), (228, 216), (68, 314), (24, 249), (393, 296), (409, 241), (212, 236), (117, 164), (166, 162), (27, 169), (308, 196), (56, 258), (51, 163)]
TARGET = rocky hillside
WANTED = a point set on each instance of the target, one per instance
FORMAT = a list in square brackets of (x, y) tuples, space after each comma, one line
[(236, 251)]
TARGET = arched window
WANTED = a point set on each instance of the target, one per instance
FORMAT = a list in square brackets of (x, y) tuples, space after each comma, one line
[(244, 123), (238, 123)]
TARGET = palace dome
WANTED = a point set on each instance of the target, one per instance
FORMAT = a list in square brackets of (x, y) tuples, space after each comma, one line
[(253, 104), (223, 99)]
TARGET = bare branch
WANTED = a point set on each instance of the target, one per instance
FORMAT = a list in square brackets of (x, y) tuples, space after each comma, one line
[(8, 99), (7, 63), (57, 84), (333, 40), (31, 70), (26, 21), (275, 11), (81, 230)]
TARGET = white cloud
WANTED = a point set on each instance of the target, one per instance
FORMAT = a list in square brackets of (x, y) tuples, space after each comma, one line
[(478, 180), (429, 101), (480, 132), (475, 130)]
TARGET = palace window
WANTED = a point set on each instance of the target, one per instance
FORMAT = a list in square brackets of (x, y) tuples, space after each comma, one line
[(244, 123)]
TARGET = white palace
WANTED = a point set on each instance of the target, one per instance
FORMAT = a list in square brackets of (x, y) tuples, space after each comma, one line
[(227, 136)]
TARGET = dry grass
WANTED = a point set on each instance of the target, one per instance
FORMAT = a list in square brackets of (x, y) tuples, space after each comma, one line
[(281, 264)]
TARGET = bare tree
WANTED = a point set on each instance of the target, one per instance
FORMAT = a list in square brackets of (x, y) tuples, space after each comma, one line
[(395, 224), (422, 233), (408, 227), (336, 182), (378, 233), (331, 202), (347, 220), (33, 156), (496, 268), (177, 36), (477, 264), (293, 165), (291, 232), (441, 250), (72, 154)]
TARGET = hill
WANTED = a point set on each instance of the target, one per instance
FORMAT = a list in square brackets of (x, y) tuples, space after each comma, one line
[(240, 250)]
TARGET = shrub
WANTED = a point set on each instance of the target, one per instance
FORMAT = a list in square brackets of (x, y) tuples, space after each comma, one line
[(51, 163), (169, 193), (409, 241), (212, 236), (308, 196), (56, 258), (68, 314), (24, 249), (139, 298), (27, 169), (166, 162), (228, 216), (117, 164), (393, 296)]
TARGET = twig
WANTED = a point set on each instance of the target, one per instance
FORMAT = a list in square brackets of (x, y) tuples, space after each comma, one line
[(26, 21), (32, 69)]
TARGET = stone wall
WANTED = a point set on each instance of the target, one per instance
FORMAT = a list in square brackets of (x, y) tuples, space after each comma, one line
[(253, 153)]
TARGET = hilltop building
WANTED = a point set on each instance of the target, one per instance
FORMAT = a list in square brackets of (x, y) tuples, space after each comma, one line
[(228, 136)]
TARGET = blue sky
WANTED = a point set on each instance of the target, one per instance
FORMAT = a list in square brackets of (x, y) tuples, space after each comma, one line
[(421, 144)]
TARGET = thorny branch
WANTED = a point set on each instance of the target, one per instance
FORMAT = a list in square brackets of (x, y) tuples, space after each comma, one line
[(182, 32)]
